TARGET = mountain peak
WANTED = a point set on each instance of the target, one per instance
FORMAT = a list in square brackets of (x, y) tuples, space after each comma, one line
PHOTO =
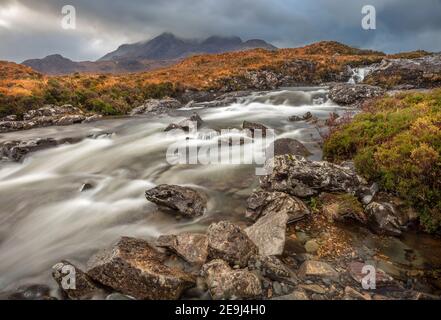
[(168, 46)]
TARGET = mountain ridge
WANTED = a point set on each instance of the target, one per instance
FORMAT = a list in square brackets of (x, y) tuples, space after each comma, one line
[(161, 51)]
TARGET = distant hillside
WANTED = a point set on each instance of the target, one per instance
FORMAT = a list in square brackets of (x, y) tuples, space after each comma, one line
[(168, 46), (59, 65)]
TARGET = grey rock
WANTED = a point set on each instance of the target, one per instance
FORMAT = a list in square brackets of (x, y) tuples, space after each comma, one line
[(192, 247), (133, 267), (303, 178), (82, 288), (270, 267), (383, 218), (225, 283), (229, 242), (262, 203), (183, 201), (156, 106), (269, 233), (296, 295), (349, 94)]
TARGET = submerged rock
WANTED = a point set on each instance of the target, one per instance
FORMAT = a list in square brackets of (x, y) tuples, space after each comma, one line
[(289, 146), (349, 94), (17, 150), (30, 292), (261, 203), (192, 247), (134, 268), (185, 201), (254, 126), (225, 283), (156, 106), (73, 282), (303, 178), (269, 233), (229, 242), (194, 122)]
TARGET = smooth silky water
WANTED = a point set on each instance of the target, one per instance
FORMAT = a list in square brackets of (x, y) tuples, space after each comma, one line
[(44, 218)]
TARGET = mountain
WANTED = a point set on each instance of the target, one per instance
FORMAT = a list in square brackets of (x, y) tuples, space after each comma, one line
[(164, 50), (59, 65), (168, 46)]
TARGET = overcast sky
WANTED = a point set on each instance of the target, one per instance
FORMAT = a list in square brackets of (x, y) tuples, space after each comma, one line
[(32, 28)]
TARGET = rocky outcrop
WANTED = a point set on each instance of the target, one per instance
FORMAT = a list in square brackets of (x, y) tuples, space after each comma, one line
[(262, 203), (191, 123), (157, 106), (268, 233), (79, 287), (47, 116), (192, 247), (226, 283), (353, 94), (17, 150), (182, 201), (424, 72), (289, 146), (133, 267), (303, 178), (229, 242)]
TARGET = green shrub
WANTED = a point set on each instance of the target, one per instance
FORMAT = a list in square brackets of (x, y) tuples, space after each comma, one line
[(397, 142)]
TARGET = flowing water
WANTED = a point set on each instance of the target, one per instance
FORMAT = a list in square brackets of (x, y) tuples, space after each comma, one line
[(44, 217)]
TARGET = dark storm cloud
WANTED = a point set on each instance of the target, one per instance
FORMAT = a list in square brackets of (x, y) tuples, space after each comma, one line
[(30, 28)]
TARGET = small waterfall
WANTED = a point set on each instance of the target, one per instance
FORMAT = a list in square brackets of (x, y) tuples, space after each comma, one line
[(358, 75)]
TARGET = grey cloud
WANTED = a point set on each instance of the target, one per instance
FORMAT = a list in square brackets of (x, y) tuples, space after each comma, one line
[(401, 24)]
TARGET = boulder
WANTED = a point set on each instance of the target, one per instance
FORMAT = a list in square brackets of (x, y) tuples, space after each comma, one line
[(350, 94), (303, 178), (156, 106), (295, 118), (52, 111), (194, 122), (83, 287), (383, 218), (29, 293), (317, 269), (183, 201), (262, 203), (289, 146), (192, 247), (134, 268), (269, 233), (225, 283), (229, 242)]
